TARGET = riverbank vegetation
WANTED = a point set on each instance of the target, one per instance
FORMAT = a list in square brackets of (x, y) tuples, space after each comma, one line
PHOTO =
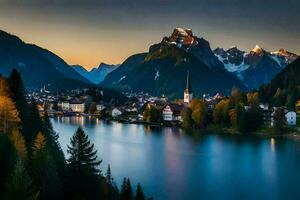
[(32, 163), (239, 113)]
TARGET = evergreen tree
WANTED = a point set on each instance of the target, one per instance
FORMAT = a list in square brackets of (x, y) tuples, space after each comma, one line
[(139, 193), (126, 191), (109, 178), (44, 170), (35, 126), (8, 157), (19, 186), (54, 146), (18, 96), (83, 172)]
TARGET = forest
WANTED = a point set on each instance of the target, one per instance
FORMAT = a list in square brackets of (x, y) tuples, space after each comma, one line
[(32, 163)]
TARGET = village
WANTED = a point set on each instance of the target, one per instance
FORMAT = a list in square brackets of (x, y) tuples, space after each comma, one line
[(90, 103)]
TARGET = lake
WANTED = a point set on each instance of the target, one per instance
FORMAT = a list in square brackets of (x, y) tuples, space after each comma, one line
[(173, 164)]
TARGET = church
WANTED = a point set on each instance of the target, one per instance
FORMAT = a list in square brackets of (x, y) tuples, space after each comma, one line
[(188, 92)]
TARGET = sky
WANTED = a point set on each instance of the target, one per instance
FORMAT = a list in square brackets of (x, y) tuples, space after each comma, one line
[(88, 32)]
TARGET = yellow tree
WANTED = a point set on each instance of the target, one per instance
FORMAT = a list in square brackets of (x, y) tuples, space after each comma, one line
[(252, 98), (4, 87), (39, 143), (199, 112), (233, 117), (9, 117), (220, 112), (18, 141)]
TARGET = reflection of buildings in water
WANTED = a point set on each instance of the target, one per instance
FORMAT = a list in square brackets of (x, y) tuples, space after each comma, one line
[(272, 144)]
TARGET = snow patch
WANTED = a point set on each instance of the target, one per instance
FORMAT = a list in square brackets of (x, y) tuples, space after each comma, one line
[(123, 77), (156, 75)]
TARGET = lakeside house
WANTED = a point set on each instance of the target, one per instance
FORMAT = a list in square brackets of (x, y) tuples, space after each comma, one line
[(172, 112), (116, 112), (77, 105), (268, 115)]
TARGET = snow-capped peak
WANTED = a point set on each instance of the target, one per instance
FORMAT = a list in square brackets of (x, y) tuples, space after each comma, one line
[(257, 49)]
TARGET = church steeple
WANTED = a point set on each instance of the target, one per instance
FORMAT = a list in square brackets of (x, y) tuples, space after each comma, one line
[(188, 92)]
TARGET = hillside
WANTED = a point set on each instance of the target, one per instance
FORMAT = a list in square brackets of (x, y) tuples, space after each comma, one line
[(163, 69), (38, 67)]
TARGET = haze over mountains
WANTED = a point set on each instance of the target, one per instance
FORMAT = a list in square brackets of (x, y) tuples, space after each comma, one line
[(161, 70), (97, 74), (38, 67)]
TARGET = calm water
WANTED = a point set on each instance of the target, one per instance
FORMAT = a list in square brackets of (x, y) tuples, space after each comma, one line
[(172, 164)]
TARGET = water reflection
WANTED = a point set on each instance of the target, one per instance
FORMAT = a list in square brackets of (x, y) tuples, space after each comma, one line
[(176, 164)]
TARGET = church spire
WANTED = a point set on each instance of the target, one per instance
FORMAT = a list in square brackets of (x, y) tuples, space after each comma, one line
[(188, 88), (188, 92)]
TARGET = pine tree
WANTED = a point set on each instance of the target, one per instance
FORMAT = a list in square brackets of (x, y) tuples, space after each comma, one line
[(83, 172), (35, 126), (126, 190), (139, 193), (54, 146), (82, 153), (19, 185), (8, 158), (18, 96), (44, 170), (109, 178)]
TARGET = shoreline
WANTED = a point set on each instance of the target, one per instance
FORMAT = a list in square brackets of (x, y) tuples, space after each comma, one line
[(212, 127)]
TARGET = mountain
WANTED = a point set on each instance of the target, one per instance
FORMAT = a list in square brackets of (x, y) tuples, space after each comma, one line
[(163, 69), (256, 67), (284, 88), (38, 67), (96, 75)]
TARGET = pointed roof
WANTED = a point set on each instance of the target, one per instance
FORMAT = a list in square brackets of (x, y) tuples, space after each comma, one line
[(188, 88)]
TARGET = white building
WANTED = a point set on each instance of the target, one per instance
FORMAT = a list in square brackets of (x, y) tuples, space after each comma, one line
[(116, 112), (100, 107), (188, 92), (77, 105), (172, 112), (65, 106), (291, 118)]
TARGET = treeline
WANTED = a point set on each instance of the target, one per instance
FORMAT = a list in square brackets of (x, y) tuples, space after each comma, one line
[(32, 163), (284, 89), (240, 111)]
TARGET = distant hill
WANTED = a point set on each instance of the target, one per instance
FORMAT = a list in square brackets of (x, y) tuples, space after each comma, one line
[(284, 89), (163, 69), (97, 74), (38, 67)]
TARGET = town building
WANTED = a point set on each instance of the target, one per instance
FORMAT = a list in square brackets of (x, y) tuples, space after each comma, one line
[(65, 106), (188, 92), (172, 112), (76, 105), (116, 112), (291, 118)]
